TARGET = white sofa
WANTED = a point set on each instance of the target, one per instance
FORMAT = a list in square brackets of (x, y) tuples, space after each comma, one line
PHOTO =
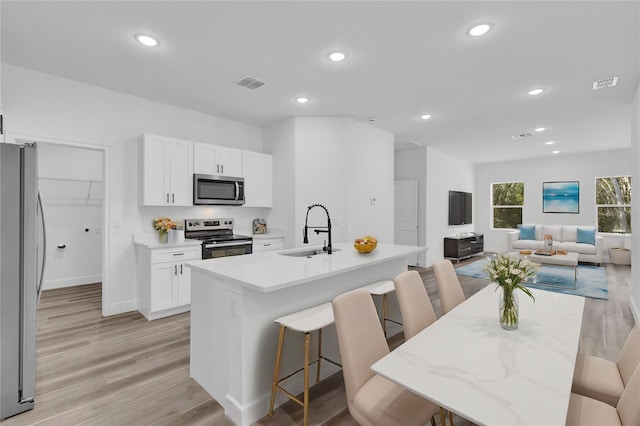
[(564, 238)]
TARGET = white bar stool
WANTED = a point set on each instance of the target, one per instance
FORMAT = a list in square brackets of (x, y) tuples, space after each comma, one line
[(382, 288), (306, 321)]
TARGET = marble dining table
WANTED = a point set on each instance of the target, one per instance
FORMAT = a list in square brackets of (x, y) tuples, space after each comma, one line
[(466, 363)]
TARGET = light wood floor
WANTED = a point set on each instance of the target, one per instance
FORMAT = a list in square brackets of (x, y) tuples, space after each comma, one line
[(126, 370)]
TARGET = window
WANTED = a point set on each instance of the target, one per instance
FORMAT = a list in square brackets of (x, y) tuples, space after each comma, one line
[(507, 202), (613, 203)]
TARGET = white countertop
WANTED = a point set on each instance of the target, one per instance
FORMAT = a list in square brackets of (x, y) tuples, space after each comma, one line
[(151, 241), (270, 271), (467, 363)]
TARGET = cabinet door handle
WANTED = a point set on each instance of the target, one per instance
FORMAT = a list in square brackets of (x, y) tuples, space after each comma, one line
[(217, 168), (268, 245), (167, 198), (178, 254), (222, 168), (173, 197), (181, 269), (175, 269)]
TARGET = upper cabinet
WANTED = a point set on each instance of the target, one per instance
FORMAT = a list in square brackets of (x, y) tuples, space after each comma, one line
[(217, 160), (167, 166), (166, 171), (257, 168)]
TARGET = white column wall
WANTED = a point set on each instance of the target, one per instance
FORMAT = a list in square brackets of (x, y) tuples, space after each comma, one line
[(370, 171)]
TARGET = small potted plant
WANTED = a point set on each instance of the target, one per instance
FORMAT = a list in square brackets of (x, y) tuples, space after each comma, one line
[(163, 225), (509, 273)]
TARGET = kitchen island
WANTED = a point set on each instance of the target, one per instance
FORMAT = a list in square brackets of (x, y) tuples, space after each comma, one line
[(234, 301)]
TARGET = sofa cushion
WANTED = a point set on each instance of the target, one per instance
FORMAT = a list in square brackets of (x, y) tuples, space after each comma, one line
[(528, 245), (586, 235), (554, 231), (577, 247), (569, 233), (527, 232)]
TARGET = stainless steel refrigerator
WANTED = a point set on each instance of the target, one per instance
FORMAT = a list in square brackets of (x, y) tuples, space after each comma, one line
[(21, 268)]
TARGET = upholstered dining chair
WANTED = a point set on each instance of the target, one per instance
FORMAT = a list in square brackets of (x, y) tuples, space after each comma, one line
[(415, 305), (585, 411), (605, 380), (449, 288), (372, 399)]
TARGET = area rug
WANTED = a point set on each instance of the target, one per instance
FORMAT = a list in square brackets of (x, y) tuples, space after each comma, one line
[(592, 280)]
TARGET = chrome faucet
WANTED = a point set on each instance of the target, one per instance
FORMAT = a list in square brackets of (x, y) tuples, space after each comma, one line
[(318, 229)]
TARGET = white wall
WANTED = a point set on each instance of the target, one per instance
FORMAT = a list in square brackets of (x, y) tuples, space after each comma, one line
[(370, 171), (444, 174), (279, 141), (577, 167), (317, 158), (46, 106), (321, 155), (70, 181), (635, 206), (411, 164)]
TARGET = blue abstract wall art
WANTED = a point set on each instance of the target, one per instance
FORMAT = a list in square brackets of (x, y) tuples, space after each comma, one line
[(561, 197)]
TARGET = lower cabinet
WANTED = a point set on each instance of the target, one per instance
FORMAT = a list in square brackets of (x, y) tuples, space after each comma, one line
[(264, 244), (164, 281)]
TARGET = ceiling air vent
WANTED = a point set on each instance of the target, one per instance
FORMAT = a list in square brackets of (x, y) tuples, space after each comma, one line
[(604, 83), (250, 82), (520, 136)]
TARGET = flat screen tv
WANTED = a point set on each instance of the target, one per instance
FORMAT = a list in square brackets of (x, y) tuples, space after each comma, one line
[(459, 208)]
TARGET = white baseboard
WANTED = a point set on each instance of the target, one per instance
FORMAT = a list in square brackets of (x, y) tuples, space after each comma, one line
[(120, 307), (71, 281)]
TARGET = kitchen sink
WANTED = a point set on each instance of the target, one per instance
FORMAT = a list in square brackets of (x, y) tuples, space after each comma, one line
[(306, 252)]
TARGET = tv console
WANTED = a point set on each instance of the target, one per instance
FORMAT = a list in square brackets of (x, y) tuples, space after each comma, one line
[(463, 246)]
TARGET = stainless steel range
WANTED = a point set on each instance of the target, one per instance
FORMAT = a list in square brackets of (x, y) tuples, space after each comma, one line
[(218, 239)]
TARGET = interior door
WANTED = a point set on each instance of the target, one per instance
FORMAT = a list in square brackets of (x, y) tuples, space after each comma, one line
[(406, 214)]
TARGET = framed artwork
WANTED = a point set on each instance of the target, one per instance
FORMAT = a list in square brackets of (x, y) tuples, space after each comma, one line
[(561, 197)]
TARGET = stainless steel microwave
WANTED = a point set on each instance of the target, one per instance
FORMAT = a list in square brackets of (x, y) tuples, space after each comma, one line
[(221, 190)]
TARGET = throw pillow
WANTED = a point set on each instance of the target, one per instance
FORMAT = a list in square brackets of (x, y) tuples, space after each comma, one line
[(527, 232), (586, 236)]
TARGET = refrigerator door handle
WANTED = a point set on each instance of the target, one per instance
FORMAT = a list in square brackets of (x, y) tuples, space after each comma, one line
[(44, 249)]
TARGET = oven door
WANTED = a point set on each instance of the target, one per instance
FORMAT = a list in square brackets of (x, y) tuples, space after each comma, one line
[(222, 249), (221, 190)]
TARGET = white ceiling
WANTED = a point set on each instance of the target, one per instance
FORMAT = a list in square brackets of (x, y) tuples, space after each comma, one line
[(404, 59)]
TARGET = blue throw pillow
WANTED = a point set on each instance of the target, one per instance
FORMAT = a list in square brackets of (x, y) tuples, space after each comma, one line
[(586, 236), (527, 232)]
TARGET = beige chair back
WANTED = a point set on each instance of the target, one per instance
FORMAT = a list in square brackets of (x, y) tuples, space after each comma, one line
[(449, 288), (415, 305), (629, 405), (630, 355), (360, 338)]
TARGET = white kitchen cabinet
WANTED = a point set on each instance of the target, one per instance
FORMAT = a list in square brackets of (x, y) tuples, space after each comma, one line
[(165, 172), (217, 160), (264, 244), (164, 281), (258, 179)]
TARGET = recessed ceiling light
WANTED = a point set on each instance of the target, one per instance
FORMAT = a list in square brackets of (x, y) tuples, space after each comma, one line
[(479, 29), (535, 92), (549, 142), (147, 40), (539, 129), (425, 116), (555, 152), (302, 100), (337, 56)]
